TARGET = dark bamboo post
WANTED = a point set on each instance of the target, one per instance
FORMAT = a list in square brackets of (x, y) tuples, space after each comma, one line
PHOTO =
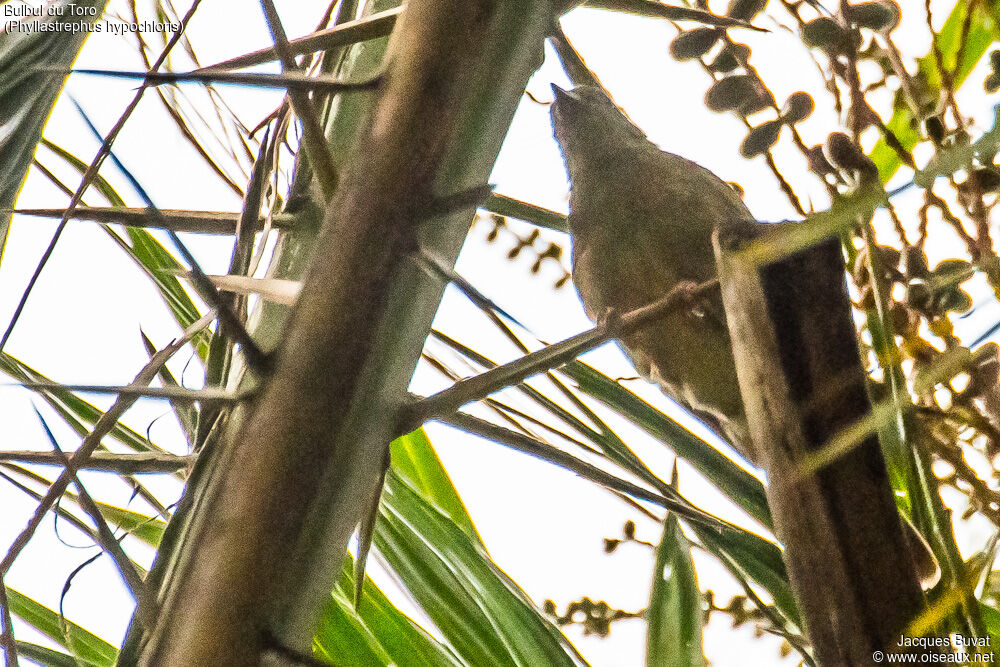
[(802, 383)]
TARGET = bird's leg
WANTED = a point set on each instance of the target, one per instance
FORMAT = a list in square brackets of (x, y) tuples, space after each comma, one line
[(693, 303), (610, 320), (703, 308)]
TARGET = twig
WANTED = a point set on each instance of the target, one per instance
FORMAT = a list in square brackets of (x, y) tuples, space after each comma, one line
[(784, 185), (370, 27), (7, 641), (103, 426), (317, 150), (556, 456), (91, 174), (475, 388), (899, 69), (62, 513), (290, 82), (172, 108), (136, 390), (859, 112), (507, 412), (122, 464), (932, 199), (988, 498), (751, 71), (105, 538), (503, 411), (946, 80), (231, 324), (59, 511)]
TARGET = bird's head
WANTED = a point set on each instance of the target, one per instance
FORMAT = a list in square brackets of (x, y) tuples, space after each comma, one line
[(589, 126)]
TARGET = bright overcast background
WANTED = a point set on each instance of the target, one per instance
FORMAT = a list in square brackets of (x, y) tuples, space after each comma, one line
[(543, 526)]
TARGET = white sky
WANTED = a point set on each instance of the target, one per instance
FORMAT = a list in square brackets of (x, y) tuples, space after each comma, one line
[(542, 525)]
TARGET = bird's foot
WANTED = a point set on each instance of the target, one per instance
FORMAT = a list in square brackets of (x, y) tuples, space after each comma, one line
[(610, 320), (691, 300)]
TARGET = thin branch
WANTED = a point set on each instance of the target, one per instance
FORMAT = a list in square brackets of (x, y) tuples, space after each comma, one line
[(751, 71), (121, 464), (7, 629), (660, 10), (515, 372), (556, 456), (313, 139), (172, 107), (947, 83), (906, 83), (103, 426), (105, 538), (301, 82), (448, 275), (198, 222), (543, 401), (137, 390), (232, 325), (352, 32), (62, 513), (931, 199), (91, 174), (785, 186), (507, 412), (503, 411), (638, 507)]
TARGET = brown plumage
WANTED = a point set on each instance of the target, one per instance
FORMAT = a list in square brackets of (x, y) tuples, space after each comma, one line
[(642, 221)]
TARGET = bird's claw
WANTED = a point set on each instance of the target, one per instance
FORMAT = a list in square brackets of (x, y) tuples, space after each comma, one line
[(610, 320), (687, 291)]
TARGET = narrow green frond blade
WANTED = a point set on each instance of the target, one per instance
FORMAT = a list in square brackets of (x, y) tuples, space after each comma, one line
[(150, 255), (736, 483), (398, 636), (674, 617), (80, 415), (983, 31), (45, 656), (414, 459), (478, 608), (85, 645), (28, 92)]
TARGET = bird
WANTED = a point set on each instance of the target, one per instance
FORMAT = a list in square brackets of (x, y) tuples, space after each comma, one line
[(641, 221)]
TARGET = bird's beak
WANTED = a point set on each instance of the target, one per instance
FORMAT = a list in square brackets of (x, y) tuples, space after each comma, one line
[(560, 94), (565, 107)]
